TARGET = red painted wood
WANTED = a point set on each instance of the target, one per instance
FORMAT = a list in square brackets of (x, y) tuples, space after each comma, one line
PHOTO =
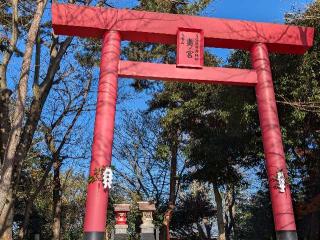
[(170, 72), (272, 141), (83, 21), (97, 196), (190, 48)]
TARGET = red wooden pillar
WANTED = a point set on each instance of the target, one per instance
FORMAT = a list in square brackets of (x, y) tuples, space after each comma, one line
[(97, 196), (273, 148)]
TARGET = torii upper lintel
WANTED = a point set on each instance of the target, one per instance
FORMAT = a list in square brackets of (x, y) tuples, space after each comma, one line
[(84, 21)]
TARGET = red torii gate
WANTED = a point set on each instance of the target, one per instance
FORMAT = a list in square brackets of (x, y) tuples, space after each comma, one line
[(191, 34)]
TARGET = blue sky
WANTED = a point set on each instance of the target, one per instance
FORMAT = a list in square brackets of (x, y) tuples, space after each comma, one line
[(255, 10), (258, 10)]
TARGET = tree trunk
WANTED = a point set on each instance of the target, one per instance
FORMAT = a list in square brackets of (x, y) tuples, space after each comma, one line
[(5, 93), (56, 226), (28, 209), (37, 104), (220, 219), (12, 46), (19, 140), (24, 227), (173, 185), (5, 125), (230, 210), (19, 110), (173, 173), (7, 220)]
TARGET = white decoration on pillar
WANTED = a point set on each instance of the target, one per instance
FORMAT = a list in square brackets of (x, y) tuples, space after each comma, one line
[(107, 178), (281, 181)]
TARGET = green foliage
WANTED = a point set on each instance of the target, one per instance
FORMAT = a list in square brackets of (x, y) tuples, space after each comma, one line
[(193, 209), (254, 218), (73, 201)]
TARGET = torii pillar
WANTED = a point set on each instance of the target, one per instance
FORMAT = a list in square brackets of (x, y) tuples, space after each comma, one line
[(191, 34)]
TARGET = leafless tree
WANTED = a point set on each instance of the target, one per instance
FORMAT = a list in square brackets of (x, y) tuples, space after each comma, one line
[(137, 166), (22, 100), (62, 132)]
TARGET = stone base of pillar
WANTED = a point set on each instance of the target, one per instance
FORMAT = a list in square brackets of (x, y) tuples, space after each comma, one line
[(121, 229), (147, 232), (120, 232), (121, 237), (149, 229), (147, 236)]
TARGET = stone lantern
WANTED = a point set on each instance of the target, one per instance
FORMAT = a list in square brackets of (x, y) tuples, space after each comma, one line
[(121, 226), (147, 226)]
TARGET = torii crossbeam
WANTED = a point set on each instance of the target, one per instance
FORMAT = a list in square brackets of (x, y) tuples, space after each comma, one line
[(191, 34)]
